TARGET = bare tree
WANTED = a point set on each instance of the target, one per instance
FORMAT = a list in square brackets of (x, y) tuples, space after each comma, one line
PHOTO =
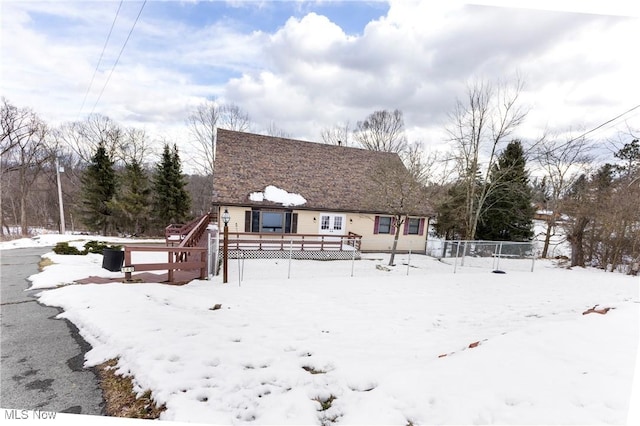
[(277, 132), (84, 137), (612, 203), (199, 188), (25, 152), (479, 126), (135, 146), (232, 117), (382, 131), (562, 163), (14, 122), (401, 191), (339, 134), (203, 122)]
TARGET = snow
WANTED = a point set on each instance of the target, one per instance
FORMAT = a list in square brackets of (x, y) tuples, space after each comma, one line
[(278, 195), (558, 245), (390, 347), (50, 240), (68, 268)]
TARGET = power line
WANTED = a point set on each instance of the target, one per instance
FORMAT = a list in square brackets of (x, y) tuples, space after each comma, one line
[(118, 58), (101, 55), (601, 125)]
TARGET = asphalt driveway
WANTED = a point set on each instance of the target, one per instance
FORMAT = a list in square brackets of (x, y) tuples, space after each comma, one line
[(42, 358)]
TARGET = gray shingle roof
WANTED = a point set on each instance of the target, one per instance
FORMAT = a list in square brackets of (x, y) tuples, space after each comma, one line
[(329, 177)]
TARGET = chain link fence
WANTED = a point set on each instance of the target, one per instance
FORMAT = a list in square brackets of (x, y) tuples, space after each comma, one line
[(282, 258), (497, 256)]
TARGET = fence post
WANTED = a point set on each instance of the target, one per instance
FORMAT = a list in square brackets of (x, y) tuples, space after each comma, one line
[(353, 257), (240, 254), (455, 263), (464, 252), (499, 256), (290, 255), (533, 259), (409, 261)]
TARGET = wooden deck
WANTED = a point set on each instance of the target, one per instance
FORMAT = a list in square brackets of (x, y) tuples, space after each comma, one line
[(186, 252)]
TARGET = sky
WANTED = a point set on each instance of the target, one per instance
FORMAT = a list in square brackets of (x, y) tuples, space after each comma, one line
[(303, 66)]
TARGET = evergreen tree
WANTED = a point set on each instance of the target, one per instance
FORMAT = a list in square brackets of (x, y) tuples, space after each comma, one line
[(98, 188), (182, 199), (131, 205), (450, 222), (171, 203), (509, 211)]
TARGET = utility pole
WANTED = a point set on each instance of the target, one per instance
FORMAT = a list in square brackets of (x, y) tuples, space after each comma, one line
[(62, 227)]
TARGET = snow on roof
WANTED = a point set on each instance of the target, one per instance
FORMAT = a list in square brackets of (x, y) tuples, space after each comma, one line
[(277, 195)]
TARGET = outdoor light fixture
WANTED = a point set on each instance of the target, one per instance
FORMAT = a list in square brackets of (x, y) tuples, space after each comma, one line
[(226, 217), (314, 219)]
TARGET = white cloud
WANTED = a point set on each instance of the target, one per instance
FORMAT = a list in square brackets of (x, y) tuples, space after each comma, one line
[(309, 74)]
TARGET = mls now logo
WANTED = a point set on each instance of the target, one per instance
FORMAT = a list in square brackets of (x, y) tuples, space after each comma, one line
[(25, 414)]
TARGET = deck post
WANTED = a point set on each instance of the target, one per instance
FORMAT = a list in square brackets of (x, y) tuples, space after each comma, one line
[(127, 262), (170, 271), (225, 253)]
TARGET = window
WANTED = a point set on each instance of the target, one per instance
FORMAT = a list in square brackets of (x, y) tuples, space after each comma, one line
[(337, 223), (271, 221), (324, 222), (413, 226), (383, 225)]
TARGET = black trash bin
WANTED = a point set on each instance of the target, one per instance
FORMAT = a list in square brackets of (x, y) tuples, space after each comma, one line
[(112, 260)]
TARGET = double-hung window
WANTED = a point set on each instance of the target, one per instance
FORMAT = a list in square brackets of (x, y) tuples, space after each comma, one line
[(413, 226), (383, 225)]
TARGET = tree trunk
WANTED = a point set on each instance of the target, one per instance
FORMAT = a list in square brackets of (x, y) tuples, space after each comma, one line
[(576, 239), (618, 245), (395, 241), (24, 229), (547, 240)]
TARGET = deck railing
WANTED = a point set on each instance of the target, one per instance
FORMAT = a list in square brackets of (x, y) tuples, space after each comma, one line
[(308, 242), (177, 233), (185, 256), (178, 258)]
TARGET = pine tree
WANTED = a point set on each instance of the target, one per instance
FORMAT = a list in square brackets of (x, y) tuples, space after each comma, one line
[(131, 205), (509, 211), (98, 188), (450, 222), (182, 199), (171, 203)]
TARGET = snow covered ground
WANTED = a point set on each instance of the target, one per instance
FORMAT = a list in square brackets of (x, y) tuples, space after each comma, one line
[(381, 347)]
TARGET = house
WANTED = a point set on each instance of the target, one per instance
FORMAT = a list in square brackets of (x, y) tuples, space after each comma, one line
[(284, 186)]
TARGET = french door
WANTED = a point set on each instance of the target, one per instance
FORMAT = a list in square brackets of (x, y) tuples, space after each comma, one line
[(332, 224)]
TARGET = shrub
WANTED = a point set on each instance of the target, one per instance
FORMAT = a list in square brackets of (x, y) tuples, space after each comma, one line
[(89, 247), (98, 246), (65, 248)]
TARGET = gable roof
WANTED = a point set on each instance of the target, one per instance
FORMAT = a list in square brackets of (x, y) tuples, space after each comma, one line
[(329, 177)]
